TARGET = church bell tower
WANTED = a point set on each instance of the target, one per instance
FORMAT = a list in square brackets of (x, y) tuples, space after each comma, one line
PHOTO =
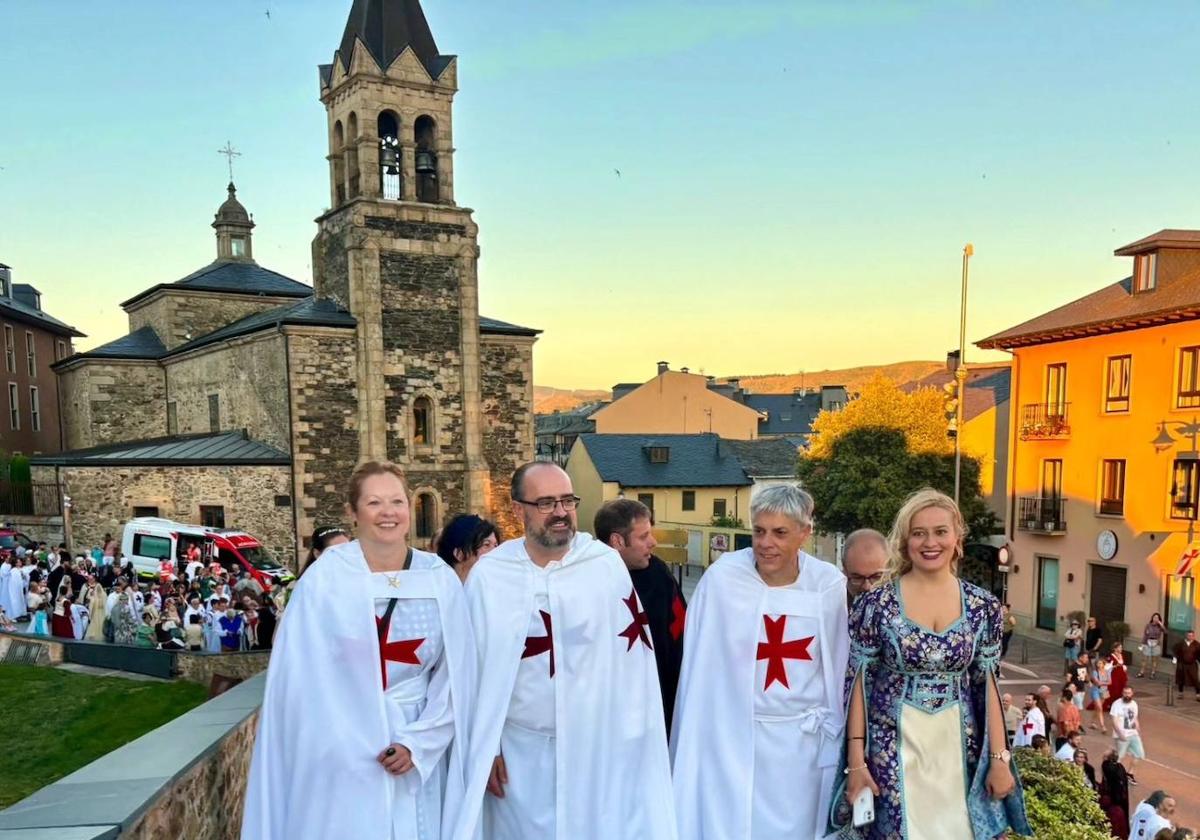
[(400, 255)]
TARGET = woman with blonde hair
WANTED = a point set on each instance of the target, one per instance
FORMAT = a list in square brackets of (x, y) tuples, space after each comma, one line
[(925, 728), (362, 728)]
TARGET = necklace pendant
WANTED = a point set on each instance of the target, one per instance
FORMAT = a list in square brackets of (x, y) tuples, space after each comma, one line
[(393, 581)]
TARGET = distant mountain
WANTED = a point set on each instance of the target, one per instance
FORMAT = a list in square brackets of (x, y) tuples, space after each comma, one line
[(853, 378), (547, 400)]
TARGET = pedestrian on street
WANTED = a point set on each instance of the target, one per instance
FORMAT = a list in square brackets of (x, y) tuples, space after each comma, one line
[(1093, 638), (1010, 626), (1152, 816), (1187, 664), (1118, 674), (1115, 780), (1012, 715), (1152, 644), (1127, 731), (1068, 719), (1032, 723), (1072, 644)]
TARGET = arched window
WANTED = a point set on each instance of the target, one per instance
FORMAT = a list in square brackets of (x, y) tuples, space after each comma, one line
[(390, 156), (425, 516), (425, 140), (353, 178), (422, 421)]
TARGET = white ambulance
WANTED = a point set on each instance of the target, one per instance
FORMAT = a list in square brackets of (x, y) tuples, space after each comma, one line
[(148, 541)]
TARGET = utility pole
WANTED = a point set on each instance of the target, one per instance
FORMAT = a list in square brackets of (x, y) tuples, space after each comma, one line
[(960, 372)]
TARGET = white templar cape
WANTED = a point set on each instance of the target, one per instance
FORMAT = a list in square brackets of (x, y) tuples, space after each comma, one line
[(324, 720), (612, 767), (714, 733)]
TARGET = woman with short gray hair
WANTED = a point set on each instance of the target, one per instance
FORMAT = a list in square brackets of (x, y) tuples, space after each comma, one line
[(765, 655)]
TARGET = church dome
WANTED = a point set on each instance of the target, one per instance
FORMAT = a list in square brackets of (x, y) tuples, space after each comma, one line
[(232, 211)]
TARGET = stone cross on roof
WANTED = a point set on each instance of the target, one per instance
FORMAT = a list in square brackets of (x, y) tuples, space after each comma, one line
[(230, 153)]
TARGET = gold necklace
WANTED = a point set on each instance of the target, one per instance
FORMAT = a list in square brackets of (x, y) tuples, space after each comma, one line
[(393, 580)]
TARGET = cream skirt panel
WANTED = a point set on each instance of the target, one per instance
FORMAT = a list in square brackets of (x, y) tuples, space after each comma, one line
[(934, 774)]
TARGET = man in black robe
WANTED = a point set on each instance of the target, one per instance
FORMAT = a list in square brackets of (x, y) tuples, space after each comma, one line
[(1187, 659), (627, 526), (55, 578)]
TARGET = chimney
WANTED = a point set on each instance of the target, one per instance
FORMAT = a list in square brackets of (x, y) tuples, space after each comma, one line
[(5, 281), (685, 370), (663, 367)]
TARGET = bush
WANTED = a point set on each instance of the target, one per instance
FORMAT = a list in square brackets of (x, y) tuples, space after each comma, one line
[(1060, 802)]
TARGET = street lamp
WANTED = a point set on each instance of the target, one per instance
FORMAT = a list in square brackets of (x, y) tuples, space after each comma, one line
[(960, 372)]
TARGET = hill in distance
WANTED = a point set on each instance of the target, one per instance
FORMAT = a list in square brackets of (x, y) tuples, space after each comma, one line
[(547, 400)]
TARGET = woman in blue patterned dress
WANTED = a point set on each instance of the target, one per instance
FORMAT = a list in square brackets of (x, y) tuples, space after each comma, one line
[(930, 740)]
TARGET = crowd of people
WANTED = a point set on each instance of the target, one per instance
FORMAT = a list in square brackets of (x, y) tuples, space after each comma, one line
[(99, 597)]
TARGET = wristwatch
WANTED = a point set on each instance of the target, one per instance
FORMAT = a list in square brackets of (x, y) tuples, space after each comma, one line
[(1003, 755)]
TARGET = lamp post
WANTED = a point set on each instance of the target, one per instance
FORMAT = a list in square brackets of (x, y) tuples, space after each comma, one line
[(960, 372)]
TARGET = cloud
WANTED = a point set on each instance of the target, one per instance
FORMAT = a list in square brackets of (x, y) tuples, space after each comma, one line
[(609, 33)]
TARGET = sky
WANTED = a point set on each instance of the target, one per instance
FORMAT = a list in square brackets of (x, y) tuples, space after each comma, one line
[(797, 179)]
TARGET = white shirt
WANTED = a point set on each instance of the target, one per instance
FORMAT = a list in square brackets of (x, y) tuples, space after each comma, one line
[(1125, 717), (1146, 824), (1033, 723), (1066, 752)]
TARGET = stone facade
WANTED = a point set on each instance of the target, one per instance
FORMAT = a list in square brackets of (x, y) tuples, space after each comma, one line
[(112, 401), (103, 499), (202, 667), (180, 315), (508, 420), (249, 377), (325, 449)]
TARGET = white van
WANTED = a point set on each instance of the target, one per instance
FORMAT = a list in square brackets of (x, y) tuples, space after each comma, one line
[(149, 540)]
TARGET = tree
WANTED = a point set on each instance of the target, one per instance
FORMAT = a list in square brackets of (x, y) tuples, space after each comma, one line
[(871, 470), (881, 403)]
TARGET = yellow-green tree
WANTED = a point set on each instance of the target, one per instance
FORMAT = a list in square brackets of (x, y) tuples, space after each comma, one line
[(918, 414)]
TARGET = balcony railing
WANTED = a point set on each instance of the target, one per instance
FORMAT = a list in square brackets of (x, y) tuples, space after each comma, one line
[(18, 499), (1045, 421), (1042, 515)]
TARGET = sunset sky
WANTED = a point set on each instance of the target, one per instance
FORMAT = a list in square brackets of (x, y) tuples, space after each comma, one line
[(797, 180)]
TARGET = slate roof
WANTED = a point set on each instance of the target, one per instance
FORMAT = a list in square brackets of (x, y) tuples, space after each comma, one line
[(787, 414), (317, 312), (693, 461), (215, 449), (14, 310), (767, 458), (139, 344), (387, 28), (494, 327), (576, 421), (233, 277), (987, 387), (1167, 238)]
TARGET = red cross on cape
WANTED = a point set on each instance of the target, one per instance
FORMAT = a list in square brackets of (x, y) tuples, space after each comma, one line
[(637, 627), (536, 645), (775, 650), (404, 652)]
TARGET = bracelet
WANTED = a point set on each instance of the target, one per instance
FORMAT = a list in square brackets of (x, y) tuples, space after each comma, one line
[(857, 738), (850, 770)]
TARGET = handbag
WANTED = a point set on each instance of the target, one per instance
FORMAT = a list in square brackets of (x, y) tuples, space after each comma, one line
[(1068, 643)]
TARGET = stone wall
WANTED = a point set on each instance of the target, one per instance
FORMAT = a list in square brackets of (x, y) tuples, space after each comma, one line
[(325, 423), (249, 376), (179, 315), (103, 499), (49, 652), (112, 401), (202, 667), (47, 529), (506, 367)]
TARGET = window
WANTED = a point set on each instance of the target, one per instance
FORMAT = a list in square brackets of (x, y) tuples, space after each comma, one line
[(1112, 487), (212, 516), (1056, 389), (30, 353), (156, 548), (689, 499), (426, 516), (1052, 471), (14, 407), (35, 409), (144, 510), (660, 454), (283, 501), (10, 350), (1145, 272), (1185, 488), (1188, 395), (214, 412), (238, 246), (718, 507), (422, 409), (60, 350), (648, 500), (1116, 389), (172, 418)]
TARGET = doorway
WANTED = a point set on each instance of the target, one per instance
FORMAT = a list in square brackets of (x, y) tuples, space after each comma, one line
[(1106, 601), (1047, 605)]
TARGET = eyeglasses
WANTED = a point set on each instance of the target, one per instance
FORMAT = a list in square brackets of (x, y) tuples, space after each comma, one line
[(546, 504), (859, 580)]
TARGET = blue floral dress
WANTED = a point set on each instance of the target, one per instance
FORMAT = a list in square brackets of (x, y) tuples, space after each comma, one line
[(927, 721)]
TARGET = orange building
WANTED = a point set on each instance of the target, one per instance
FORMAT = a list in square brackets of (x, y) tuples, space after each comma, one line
[(1105, 469)]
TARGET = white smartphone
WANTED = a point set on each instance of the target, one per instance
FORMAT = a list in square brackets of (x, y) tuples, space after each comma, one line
[(864, 808)]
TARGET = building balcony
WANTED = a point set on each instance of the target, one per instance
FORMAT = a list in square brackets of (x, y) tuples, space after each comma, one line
[(1045, 421), (1039, 515)]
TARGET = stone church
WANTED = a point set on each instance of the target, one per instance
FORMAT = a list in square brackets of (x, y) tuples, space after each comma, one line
[(243, 398)]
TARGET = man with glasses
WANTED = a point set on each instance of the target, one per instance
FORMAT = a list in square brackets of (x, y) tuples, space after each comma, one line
[(562, 738), (864, 560)]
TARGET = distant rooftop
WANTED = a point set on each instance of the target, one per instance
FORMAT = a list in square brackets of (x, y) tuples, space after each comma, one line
[(214, 449), (691, 461), (233, 277)]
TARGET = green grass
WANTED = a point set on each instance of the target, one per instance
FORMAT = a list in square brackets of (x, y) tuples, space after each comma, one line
[(54, 722)]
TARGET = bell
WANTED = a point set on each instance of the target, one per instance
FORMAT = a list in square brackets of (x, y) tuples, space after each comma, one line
[(426, 162), (389, 160)]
